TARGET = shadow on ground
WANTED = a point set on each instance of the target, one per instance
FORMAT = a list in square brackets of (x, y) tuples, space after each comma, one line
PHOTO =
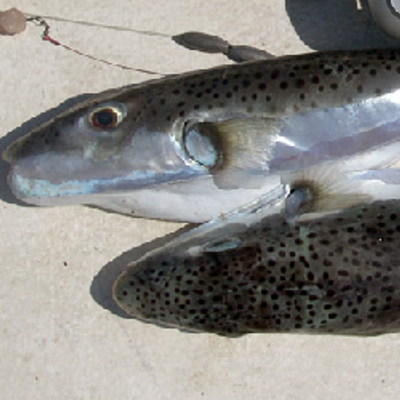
[(101, 288), (336, 25)]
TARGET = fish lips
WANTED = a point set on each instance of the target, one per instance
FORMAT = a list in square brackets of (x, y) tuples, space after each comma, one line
[(55, 179), (36, 179)]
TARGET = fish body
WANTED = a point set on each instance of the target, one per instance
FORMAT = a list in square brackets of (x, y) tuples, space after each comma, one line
[(210, 141), (339, 274)]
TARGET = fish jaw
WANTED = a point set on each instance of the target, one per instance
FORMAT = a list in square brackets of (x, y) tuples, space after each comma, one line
[(60, 179)]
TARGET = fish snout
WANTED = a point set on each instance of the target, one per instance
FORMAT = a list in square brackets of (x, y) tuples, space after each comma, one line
[(126, 291)]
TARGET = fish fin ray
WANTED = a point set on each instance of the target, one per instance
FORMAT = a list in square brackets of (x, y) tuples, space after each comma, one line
[(321, 189), (244, 147)]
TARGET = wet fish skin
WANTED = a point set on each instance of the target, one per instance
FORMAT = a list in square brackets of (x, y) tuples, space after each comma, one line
[(334, 275), (68, 161)]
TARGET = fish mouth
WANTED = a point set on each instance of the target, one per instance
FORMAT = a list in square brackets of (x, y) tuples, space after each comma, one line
[(55, 179), (42, 192)]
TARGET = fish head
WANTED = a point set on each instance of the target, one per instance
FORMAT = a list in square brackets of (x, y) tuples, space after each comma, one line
[(99, 147)]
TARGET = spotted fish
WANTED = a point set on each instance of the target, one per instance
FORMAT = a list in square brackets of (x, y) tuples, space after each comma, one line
[(336, 275), (208, 142)]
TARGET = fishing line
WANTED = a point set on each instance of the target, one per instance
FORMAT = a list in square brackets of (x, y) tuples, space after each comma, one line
[(46, 36), (14, 21)]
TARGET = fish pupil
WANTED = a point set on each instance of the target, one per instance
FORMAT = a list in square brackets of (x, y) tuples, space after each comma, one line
[(105, 118)]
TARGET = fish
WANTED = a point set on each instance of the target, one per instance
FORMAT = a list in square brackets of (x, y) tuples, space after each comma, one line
[(256, 273), (207, 142)]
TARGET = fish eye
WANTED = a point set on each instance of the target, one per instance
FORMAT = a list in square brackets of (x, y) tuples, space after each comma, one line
[(107, 116)]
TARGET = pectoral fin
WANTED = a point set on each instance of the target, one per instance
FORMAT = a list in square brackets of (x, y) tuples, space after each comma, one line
[(238, 151), (321, 189)]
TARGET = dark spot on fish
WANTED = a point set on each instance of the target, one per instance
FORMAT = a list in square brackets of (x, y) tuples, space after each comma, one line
[(300, 83), (262, 86), (373, 72), (275, 74), (334, 86), (315, 79), (284, 85)]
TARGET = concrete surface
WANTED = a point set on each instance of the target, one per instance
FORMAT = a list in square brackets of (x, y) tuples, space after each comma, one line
[(60, 335)]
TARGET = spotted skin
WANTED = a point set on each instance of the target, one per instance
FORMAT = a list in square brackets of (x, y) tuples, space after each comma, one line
[(336, 275), (280, 86)]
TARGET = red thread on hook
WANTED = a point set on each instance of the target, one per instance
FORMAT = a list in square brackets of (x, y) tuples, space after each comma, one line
[(48, 38)]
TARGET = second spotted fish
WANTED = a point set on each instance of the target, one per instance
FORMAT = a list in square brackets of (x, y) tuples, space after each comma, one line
[(339, 274), (208, 142)]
